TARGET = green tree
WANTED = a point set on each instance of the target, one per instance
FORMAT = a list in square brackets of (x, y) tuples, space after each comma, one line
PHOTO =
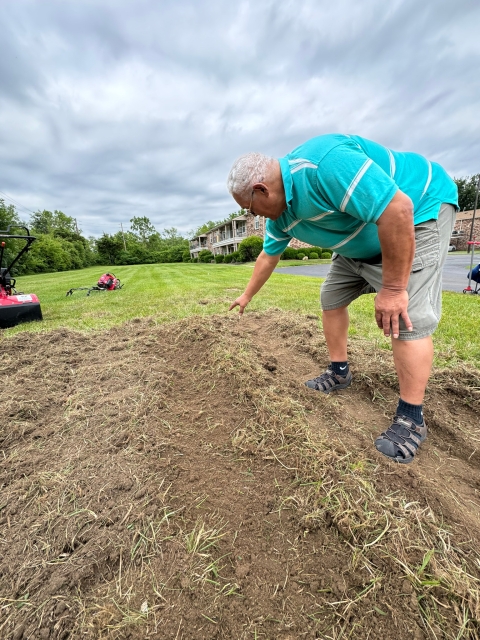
[(142, 228), (171, 237), (48, 222), (109, 248), (467, 188), (9, 217)]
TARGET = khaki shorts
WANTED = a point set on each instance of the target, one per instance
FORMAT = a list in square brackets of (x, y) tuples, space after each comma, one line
[(348, 279)]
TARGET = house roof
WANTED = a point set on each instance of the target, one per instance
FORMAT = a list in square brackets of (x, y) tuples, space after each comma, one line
[(243, 216), (223, 224)]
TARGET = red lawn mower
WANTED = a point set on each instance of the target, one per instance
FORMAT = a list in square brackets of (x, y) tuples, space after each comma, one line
[(107, 282), (15, 306)]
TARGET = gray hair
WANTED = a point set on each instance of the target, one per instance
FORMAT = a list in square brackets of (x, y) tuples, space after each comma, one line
[(246, 171)]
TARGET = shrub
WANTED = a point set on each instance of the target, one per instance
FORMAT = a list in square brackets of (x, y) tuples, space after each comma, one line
[(228, 258), (289, 254), (250, 248), (235, 256), (326, 255), (205, 255), (194, 259), (186, 256), (219, 258), (313, 255), (300, 255)]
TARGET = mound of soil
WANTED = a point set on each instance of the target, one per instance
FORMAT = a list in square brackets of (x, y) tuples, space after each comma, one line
[(180, 481)]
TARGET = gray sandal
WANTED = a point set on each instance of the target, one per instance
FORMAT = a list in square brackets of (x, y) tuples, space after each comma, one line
[(402, 439), (330, 381)]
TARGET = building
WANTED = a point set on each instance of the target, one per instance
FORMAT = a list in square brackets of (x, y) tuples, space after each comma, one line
[(226, 237), (463, 227)]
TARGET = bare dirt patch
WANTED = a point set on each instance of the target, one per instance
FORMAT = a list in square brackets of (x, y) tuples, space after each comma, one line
[(179, 481)]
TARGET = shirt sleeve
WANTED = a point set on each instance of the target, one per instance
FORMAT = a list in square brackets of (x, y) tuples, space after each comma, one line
[(353, 183), (276, 240)]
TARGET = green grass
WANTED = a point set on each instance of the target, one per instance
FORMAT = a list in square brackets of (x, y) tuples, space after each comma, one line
[(169, 292)]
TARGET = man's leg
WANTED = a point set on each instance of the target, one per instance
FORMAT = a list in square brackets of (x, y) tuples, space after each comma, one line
[(413, 351), (335, 330), (413, 362), (342, 285), (337, 375)]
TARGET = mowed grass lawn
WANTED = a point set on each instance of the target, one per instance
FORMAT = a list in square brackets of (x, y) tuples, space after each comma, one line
[(169, 292)]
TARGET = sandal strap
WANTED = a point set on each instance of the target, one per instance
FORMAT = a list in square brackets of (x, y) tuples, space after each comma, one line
[(326, 381)]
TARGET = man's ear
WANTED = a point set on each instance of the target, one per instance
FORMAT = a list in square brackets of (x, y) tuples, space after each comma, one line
[(261, 186)]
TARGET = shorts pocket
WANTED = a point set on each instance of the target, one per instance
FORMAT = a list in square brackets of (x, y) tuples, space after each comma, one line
[(427, 245)]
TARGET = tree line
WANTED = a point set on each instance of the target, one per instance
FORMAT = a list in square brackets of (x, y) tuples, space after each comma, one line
[(61, 246)]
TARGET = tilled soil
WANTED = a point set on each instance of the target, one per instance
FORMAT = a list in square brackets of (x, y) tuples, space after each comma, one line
[(180, 482)]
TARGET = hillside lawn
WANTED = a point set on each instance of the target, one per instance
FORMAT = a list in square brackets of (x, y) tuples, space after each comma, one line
[(168, 292)]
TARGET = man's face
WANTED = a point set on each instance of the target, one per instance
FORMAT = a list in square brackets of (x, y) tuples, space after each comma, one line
[(264, 202)]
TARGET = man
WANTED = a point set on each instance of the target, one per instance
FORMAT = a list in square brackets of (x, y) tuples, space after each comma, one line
[(388, 217)]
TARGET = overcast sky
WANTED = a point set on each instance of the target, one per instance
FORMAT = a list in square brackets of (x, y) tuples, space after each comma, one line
[(111, 109)]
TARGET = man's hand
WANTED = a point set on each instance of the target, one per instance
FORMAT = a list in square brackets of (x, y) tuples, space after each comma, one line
[(241, 302), (262, 270), (389, 307)]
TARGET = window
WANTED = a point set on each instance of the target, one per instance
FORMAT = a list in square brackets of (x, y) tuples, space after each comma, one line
[(257, 222)]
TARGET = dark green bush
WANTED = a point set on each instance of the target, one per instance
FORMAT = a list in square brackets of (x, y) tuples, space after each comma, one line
[(300, 255), (236, 256), (205, 255), (219, 258), (186, 257), (250, 248), (289, 254), (326, 255), (313, 255), (194, 259), (228, 257)]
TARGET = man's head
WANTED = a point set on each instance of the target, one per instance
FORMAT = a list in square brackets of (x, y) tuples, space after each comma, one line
[(255, 182)]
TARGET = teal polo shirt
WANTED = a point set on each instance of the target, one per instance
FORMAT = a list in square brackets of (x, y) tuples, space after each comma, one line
[(337, 187)]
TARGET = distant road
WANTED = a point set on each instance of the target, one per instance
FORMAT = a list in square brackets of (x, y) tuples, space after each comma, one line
[(454, 275)]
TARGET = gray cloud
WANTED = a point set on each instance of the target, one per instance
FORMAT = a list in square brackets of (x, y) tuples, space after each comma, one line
[(115, 109)]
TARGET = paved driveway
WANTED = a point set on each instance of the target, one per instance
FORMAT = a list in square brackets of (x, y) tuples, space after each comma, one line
[(455, 271)]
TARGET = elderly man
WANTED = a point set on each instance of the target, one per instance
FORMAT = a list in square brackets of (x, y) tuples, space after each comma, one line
[(388, 217)]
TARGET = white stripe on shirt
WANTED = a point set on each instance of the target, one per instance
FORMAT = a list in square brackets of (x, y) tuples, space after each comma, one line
[(305, 165), (320, 216), (297, 160), (427, 184), (350, 237), (290, 226), (354, 183), (277, 239), (392, 163)]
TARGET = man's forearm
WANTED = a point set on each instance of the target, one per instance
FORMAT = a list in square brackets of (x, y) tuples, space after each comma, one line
[(396, 233), (262, 271)]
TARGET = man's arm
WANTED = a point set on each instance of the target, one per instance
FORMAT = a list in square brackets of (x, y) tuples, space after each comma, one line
[(263, 269), (396, 233)]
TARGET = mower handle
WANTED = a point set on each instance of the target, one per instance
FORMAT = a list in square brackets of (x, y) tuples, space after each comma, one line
[(29, 239), (5, 233)]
